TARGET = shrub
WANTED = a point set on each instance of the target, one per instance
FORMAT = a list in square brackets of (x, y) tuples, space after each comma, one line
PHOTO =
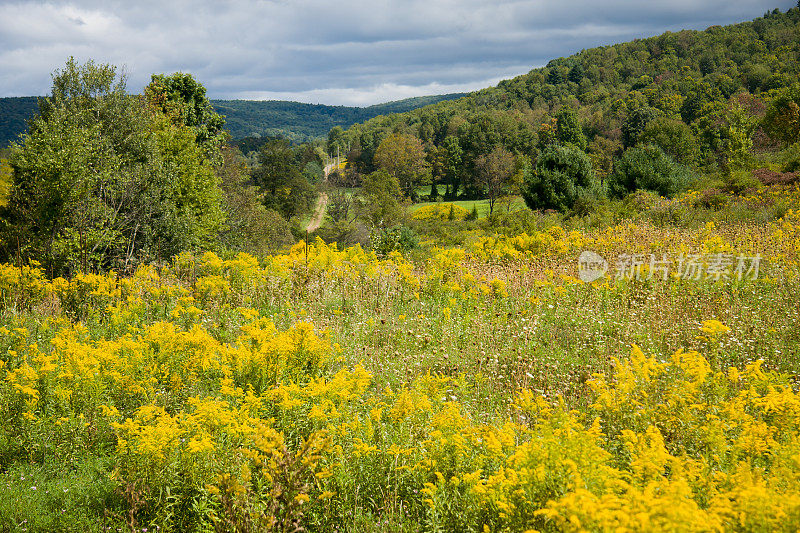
[(790, 158), (649, 168), (395, 239), (741, 180), (561, 176)]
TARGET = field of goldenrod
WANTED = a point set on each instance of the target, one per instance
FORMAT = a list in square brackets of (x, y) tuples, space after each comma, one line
[(484, 388)]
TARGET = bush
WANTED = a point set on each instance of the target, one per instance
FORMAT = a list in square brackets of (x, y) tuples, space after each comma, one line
[(790, 158), (395, 239), (672, 136), (561, 176), (740, 180), (649, 168)]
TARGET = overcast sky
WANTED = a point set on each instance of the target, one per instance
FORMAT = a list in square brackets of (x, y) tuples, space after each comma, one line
[(332, 52)]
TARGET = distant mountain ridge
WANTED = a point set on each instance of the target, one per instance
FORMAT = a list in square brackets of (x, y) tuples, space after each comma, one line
[(14, 115), (250, 118), (301, 122)]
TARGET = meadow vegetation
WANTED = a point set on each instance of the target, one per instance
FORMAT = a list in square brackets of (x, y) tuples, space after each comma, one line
[(477, 388)]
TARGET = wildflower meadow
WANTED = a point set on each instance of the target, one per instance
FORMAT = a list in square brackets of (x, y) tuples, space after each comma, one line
[(481, 388)]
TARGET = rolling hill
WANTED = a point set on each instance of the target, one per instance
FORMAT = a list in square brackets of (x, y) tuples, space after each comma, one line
[(249, 118), (706, 85)]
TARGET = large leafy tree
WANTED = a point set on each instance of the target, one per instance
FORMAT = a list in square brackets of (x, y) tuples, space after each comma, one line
[(103, 180), (183, 99), (562, 175), (453, 167), (250, 226), (403, 157), (493, 174), (783, 116), (568, 129), (672, 136), (380, 202), (635, 124), (281, 181)]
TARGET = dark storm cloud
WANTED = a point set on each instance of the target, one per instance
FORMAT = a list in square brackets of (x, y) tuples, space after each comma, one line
[(354, 53)]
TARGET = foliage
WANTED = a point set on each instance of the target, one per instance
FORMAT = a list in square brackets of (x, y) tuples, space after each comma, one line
[(402, 239), (568, 130), (562, 175), (648, 168), (494, 175), (183, 99), (636, 123), (674, 137), (14, 116), (280, 180), (379, 203), (790, 158), (101, 180), (6, 181), (782, 120), (402, 156), (249, 225)]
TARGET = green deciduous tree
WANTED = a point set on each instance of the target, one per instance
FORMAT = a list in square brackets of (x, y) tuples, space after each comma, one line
[(102, 180), (403, 157), (635, 124), (562, 175), (6, 180), (648, 167), (568, 129), (183, 99), (250, 226), (782, 120), (453, 165), (674, 137), (379, 202), (493, 174), (281, 181)]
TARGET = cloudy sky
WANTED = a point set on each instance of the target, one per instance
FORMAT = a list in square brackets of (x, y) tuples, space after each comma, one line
[(346, 52)]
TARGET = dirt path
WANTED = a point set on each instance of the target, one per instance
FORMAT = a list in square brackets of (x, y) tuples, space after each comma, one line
[(319, 213), (322, 203)]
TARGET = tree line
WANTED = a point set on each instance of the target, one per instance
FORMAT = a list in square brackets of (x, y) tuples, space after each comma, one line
[(108, 180), (652, 113)]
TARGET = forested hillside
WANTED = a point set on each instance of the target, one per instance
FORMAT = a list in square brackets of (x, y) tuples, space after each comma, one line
[(710, 100), (246, 118), (302, 122), (14, 115)]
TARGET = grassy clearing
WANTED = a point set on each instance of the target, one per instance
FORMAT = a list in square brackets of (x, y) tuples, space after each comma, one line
[(504, 205), (480, 387)]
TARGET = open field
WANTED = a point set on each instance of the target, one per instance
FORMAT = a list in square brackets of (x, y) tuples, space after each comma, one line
[(483, 388), (482, 205)]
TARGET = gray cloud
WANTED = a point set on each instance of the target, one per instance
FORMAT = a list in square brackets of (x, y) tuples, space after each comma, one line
[(352, 53)]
